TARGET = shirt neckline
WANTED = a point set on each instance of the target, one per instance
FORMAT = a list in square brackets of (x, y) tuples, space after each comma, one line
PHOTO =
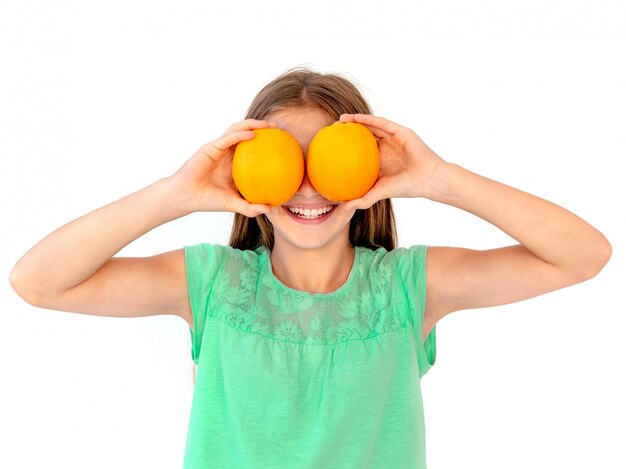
[(267, 270)]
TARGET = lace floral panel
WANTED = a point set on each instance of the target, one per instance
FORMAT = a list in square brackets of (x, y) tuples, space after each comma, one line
[(247, 296)]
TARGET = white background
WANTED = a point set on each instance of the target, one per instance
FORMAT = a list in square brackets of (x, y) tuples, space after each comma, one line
[(98, 100)]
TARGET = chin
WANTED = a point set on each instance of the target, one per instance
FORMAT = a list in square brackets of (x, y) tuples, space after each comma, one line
[(310, 234), (310, 240), (307, 243)]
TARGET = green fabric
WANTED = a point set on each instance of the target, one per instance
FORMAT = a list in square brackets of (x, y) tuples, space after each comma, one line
[(290, 379)]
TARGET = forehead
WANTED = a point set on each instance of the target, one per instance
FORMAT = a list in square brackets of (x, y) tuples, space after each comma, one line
[(303, 124)]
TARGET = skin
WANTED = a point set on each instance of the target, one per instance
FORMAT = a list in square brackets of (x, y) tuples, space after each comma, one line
[(324, 253), (554, 249)]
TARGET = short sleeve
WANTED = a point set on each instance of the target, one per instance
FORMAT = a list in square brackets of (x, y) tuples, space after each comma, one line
[(411, 263), (202, 263)]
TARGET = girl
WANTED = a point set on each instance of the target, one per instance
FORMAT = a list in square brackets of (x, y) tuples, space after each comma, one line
[(310, 332)]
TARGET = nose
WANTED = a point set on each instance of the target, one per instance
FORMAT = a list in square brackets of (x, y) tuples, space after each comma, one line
[(306, 188)]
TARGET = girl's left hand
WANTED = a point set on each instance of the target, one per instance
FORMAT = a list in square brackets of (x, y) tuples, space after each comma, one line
[(407, 165)]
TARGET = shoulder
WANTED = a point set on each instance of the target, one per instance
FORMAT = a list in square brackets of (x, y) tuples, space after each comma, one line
[(220, 251), (206, 258), (402, 258), (406, 263)]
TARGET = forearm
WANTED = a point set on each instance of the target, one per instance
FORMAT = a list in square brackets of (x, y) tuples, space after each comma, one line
[(73, 253), (550, 232)]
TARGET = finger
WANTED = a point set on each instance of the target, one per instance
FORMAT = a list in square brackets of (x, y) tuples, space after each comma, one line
[(249, 210), (377, 131), (259, 209), (374, 121), (250, 124), (217, 148), (357, 204), (374, 195)]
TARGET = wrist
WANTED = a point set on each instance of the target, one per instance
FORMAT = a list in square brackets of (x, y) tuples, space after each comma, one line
[(175, 199), (442, 185)]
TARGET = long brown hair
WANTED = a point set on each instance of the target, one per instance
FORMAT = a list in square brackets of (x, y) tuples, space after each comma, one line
[(301, 88)]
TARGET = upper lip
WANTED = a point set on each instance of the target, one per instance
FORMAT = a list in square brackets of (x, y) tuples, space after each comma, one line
[(310, 206)]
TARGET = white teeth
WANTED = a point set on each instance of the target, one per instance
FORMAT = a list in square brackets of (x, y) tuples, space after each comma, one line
[(310, 213)]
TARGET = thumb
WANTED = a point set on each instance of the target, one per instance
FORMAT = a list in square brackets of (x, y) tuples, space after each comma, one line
[(244, 207), (375, 194)]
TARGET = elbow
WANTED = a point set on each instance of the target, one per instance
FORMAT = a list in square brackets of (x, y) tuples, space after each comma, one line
[(607, 252), (20, 283), (600, 254)]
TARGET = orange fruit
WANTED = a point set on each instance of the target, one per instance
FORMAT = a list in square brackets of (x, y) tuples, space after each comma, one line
[(269, 168), (343, 161)]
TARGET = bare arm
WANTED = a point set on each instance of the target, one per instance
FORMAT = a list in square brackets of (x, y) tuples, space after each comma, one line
[(556, 248), (73, 268)]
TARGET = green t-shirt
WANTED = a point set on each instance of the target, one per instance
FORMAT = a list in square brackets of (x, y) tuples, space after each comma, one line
[(290, 379)]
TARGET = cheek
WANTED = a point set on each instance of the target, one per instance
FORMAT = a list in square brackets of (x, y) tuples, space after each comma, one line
[(339, 220), (346, 215), (277, 217), (272, 215)]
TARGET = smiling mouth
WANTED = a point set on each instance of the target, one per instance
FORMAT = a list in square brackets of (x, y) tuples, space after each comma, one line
[(311, 213)]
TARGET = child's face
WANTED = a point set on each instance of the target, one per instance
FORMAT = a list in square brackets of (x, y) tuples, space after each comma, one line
[(321, 223)]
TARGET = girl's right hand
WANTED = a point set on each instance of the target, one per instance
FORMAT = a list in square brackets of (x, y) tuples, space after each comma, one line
[(206, 178)]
